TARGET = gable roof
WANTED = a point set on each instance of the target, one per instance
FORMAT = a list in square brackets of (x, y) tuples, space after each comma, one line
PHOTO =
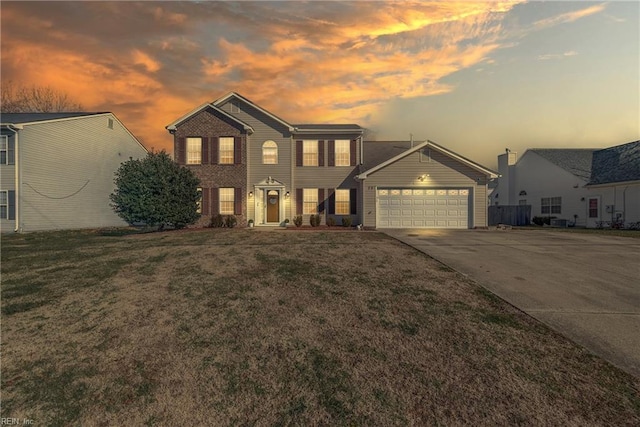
[(390, 148), (172, 126), (230, 95), (616, 164), (576, 161), (26, 118)]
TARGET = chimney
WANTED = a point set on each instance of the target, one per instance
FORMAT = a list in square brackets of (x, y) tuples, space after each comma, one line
[(506, 182)]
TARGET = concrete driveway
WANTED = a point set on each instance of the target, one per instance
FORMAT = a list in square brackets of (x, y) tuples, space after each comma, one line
[(585, 286)]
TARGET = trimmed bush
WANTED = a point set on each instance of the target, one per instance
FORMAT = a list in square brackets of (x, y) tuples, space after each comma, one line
[(314, 220), (217, 221), (346, 221), (297, 220), (331, 221), (230, 221)]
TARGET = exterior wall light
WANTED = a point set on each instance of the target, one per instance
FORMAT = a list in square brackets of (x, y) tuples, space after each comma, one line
[(250, 194)]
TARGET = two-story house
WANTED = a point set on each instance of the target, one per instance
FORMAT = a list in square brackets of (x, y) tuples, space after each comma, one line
[(57, 169), (255, 165)]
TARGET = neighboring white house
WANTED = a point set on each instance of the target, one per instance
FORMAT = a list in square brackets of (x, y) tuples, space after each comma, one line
[(57, 169), (551, 180), (614, 187)]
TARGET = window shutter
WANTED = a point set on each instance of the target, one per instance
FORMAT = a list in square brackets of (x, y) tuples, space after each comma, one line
[(215, 201), (215, 152), (321, 200), (332, 201), (11, 151), (205, 151), (353, 193), (206, 209), (11, 200), (179, 150), (298, 201), (237, 146), (321, 153), (352, 152), (237, 199), (332, 153), (298, 153)]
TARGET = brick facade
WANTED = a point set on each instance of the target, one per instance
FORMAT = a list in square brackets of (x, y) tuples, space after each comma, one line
[(208, 124)]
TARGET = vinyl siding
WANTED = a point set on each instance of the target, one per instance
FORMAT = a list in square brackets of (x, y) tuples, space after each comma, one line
[(328, 177), (540, 178), (67, 169), (265, 129), (7, 183), (444, 172)]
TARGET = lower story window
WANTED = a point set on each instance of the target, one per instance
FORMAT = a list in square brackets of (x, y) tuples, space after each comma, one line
[(4, 205), (342, 202), (551, 205), (310, 201), (227, 201)]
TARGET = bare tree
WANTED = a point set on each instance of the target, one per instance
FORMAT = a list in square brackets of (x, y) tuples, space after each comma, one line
[(35, 99)]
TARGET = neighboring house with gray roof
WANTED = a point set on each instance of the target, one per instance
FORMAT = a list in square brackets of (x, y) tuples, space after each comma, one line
[(57, 169), (614, 185), (551, 180), (257, 166)]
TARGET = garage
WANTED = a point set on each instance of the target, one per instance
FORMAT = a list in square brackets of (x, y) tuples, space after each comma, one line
[(423, 207)]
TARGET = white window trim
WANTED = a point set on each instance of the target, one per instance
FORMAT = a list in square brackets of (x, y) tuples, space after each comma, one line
[(339, 156), (343, 202), (309, 201), (4, 146), (194, 150), (226, 154), (269, 145), (310, 152), (4, 215), (227, 196)]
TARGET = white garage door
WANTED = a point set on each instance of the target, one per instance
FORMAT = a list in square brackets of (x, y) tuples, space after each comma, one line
[(423, 208)]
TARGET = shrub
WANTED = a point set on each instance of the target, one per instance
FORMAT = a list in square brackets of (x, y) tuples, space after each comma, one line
[(156, 191), (297, 220), (542, 220), (230, 221), (346, 221), (331, 221), (314, 220), (217, 221)]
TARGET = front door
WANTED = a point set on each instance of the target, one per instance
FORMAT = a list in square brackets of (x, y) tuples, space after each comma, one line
[(273, 206)]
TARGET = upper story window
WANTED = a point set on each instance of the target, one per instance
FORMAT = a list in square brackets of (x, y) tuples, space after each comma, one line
[(343, 152), (194, 151), (4, 148), (309, 153), (269, 153), (226, 150)]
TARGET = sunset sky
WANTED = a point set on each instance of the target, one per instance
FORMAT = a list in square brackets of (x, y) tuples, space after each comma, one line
[(474, 77)]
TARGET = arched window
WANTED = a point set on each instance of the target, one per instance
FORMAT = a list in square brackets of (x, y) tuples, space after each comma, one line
[(269, 153)]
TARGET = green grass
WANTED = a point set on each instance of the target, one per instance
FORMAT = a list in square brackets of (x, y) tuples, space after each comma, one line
[(237, 327)]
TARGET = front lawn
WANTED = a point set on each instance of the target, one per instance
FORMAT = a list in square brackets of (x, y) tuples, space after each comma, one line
[(243, 327)]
